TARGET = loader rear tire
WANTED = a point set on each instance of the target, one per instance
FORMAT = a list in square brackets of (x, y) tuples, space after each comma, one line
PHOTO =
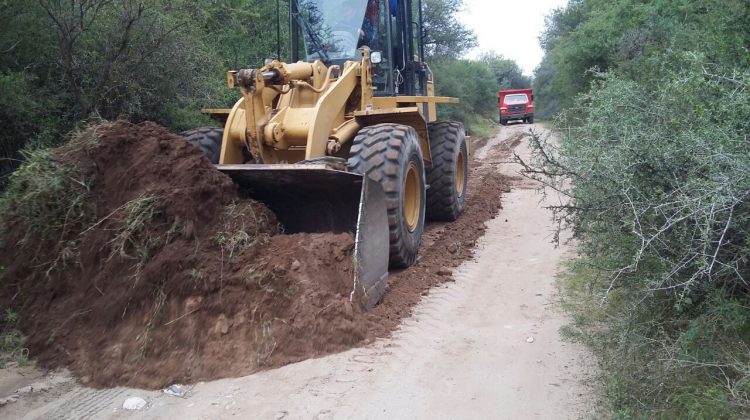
[(448, 175), (390, 154), (207, 140)]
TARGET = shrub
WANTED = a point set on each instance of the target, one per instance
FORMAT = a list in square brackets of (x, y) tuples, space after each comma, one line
[(658, 180)]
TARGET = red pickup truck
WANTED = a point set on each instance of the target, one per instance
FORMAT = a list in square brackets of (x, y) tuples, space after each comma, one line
[(516, 104)]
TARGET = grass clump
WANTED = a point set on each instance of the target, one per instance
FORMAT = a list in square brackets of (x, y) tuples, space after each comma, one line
[(197, 275), (243, 227), (47, 197), (145, 339), (12, 350), (271, 282), (50, 201), (142, 230), (135, 236)]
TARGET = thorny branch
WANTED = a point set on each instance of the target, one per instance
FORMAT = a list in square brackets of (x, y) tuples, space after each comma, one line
[(653, 223)]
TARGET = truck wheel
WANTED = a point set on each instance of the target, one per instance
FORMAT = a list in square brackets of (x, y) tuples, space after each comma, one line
[(208, 140), (531, 120), (390, 154), (449, 173)]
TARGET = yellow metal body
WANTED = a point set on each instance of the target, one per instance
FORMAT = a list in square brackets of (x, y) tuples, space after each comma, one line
[(290, 113), (301, 111)]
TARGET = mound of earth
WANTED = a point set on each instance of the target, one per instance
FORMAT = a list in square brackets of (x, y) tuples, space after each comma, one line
[(132, 261)]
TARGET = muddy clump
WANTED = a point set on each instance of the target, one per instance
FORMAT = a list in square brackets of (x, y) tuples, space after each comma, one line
[(132, 261)]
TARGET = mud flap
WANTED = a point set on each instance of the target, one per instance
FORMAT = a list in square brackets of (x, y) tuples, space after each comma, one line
[(316, 199)]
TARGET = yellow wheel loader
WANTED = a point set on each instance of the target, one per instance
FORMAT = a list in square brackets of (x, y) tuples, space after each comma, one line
[(345, 138)]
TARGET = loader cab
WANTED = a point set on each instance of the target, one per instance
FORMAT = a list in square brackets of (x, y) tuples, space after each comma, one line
[(333, 31)]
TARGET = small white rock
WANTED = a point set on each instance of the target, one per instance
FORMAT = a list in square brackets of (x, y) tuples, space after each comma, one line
[(134, 403), (530, 339), (176, 390)]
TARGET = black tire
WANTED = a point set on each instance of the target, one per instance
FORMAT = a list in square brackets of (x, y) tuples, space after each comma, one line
[(448, 175), (531, 120), (208, 140), (390, 154)]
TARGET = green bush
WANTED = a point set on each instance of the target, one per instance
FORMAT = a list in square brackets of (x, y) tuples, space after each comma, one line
[(474, 85), (634, 38), (658, 180)]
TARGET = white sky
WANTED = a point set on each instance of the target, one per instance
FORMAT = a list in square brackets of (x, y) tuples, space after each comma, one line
[(509, 27)]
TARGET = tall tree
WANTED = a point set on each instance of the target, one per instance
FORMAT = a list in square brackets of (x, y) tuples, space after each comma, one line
[(507, 72), (444, 35)]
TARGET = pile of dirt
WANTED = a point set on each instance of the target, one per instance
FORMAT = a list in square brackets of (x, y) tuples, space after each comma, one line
[(159, 274), (140, 265)]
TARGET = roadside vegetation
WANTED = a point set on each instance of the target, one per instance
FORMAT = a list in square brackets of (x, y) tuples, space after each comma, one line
[(476, 83), (652, 101)]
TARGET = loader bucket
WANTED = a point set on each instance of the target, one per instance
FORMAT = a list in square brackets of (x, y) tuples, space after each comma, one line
[(316, 198)]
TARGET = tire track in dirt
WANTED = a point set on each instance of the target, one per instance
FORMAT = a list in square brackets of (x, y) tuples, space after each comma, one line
[(447, 245), (81, 403)]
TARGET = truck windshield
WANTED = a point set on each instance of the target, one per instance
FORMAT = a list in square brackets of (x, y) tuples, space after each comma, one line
[(333, 29), (519, 98)]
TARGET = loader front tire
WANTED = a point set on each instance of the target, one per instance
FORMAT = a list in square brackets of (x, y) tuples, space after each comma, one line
[(390, 154), (448, 175), (207, 140)]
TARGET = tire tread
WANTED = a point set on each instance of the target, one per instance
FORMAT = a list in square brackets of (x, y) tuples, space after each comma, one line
[(207, 140), (443, 202), (377, 151)]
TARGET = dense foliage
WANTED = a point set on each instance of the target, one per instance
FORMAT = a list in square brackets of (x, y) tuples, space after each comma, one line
[(476, 83), (653, 103), (506, 72), (64, 62), (636, 38), (471, 82)]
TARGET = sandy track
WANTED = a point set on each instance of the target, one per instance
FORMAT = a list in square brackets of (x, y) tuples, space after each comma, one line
[(464, 353)]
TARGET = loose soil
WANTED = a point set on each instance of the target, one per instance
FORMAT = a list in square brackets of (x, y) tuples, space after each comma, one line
[(174, 279)]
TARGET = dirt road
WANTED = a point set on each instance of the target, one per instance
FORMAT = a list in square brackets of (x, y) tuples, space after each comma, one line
[(484, 346)]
